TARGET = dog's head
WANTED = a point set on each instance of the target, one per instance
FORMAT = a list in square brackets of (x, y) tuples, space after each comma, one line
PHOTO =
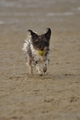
[(40, 42)]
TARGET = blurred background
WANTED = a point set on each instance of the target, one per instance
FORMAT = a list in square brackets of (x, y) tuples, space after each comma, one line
[(39, 14)]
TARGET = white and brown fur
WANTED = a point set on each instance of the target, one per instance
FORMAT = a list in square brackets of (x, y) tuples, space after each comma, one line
[(32, 45)]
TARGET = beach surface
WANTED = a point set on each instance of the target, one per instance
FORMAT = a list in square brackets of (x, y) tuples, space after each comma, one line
[(56, 94)]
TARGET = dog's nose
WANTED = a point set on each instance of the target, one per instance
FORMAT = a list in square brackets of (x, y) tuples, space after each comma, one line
[(42, 48)]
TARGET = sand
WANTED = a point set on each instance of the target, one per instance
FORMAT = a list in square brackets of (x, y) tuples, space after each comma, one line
[(56, 94)]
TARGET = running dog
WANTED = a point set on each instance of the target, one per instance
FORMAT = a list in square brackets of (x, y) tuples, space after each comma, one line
[(36, 49)]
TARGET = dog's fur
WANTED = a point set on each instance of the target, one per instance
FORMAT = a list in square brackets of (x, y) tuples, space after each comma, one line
[(37, 42)]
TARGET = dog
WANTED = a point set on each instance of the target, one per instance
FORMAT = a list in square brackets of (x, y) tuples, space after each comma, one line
[(36, 49)]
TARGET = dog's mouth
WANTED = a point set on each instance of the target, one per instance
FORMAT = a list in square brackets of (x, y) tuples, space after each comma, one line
[(41, 52)]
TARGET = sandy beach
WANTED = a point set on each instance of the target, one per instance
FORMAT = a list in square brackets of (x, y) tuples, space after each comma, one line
[(56, 94)]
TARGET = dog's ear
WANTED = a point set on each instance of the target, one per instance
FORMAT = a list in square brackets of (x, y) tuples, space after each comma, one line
[(33, 34), (48, 33)]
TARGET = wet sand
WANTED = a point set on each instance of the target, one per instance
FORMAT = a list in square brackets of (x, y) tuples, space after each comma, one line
[(56, 94)]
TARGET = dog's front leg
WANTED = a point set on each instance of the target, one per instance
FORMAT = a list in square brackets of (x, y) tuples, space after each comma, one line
[(45, 65), (46, 62), (38, 68)]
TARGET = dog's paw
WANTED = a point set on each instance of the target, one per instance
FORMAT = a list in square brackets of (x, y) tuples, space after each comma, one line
[(44, 69), (40, 74)]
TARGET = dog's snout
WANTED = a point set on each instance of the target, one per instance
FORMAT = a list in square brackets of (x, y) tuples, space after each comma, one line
[(42, 48)]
